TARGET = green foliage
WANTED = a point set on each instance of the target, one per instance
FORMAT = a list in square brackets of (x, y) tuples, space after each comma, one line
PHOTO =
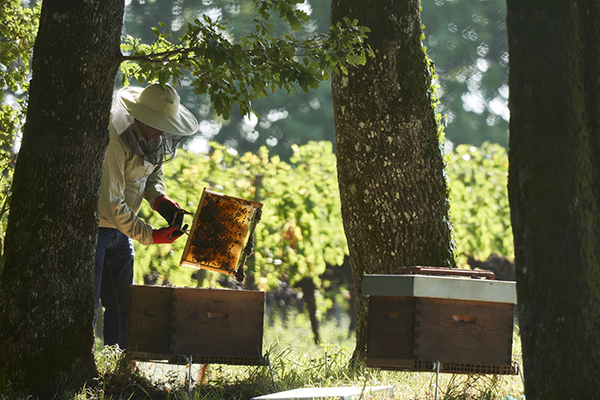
[(466, 39), (18, 29), (17, 35), (238, 72), (460, 36), (17, 32), (301, 225), (282, 119), (286, 9), (479, 199)]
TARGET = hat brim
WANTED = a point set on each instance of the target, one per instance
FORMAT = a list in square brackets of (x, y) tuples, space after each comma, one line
[(183, 123)]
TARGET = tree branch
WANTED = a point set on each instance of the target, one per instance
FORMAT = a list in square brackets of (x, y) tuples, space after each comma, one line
[(163, 56)]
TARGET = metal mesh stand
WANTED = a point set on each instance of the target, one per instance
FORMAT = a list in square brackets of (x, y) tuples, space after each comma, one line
[(438, 367), (190, 358), (437, 376), (518, 366)]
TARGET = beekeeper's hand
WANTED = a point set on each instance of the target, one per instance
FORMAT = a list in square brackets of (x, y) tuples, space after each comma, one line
[(167, 235), (169, 210)]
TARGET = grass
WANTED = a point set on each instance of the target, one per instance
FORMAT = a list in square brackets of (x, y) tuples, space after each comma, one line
[(296, 361)]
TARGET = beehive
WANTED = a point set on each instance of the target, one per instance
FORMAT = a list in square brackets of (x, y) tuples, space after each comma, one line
[(417, 319), (210, 325)]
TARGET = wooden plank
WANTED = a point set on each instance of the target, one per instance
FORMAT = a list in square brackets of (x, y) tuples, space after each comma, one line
[(392, 364), (329, 393), (216, 322), (464, 331), (468, 273), (150, 318), (390, 327), (185, 256)]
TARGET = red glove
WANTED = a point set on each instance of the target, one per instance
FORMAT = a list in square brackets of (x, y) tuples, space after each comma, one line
[(162, 198), (166, 235), (168, 209)]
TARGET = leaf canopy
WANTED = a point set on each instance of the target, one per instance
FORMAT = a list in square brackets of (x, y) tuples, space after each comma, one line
[(238, 72)]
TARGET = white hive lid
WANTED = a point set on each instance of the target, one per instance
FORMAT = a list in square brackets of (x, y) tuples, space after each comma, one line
[(440, 287)]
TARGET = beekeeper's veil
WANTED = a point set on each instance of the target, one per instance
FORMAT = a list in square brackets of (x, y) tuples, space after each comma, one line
[(159, 108)]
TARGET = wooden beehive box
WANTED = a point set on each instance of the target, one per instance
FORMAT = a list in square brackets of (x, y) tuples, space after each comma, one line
[(211, 325), (465, 324)]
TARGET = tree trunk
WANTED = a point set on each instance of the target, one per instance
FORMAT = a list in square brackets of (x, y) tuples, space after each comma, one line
[(390, 166), (46, 283), (554, 192)]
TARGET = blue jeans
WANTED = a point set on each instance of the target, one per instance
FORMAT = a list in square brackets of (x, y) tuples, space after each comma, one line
[(114, 275)]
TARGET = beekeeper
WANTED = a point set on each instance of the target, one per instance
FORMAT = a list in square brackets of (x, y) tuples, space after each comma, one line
[(145, 127)]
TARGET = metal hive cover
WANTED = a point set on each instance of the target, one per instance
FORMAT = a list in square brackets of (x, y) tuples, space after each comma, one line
[(439, 287)]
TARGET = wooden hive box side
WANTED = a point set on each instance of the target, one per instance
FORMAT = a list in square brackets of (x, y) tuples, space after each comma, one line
[(150, 319), (463, 331), (390, 330), (217, 322)]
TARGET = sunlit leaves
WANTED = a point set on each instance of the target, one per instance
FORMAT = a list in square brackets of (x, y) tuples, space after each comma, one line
[(286, 10), (18, 29), (238, 72), (17, 33), (301, 225), (479, 200)]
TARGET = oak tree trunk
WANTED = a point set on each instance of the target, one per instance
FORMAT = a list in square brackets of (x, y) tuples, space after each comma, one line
[(46, 282), (554, 192), (390, 166)]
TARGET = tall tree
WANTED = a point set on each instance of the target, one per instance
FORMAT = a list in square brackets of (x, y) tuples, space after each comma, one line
[(554, 192), (46, 282), (390, 166)]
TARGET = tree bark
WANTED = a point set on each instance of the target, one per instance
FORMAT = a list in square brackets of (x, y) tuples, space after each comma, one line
[(554, 192), (46, 282), (393, 189)]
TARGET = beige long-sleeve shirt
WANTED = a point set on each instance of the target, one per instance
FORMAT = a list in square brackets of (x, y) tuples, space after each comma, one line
[(126, 180)]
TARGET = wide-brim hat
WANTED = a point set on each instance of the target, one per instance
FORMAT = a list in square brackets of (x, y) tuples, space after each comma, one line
[(159, 108)]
